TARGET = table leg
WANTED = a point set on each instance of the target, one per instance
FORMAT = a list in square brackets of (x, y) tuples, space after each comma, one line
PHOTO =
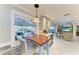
[(40, 50), (35, 50), (47, 48), (44, 50)]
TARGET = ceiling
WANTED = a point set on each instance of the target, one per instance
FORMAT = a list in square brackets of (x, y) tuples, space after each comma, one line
[(56, 12)]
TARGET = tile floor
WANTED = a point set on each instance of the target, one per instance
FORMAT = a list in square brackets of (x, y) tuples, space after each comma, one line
[(62, 47)]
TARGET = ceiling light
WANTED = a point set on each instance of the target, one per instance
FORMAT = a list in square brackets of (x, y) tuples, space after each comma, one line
[(37, 19)]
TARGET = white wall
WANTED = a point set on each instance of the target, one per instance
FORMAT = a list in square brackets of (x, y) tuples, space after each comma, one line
[(5, 21)]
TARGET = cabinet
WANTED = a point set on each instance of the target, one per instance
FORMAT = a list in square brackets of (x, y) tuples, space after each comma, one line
[(68, 36), (68, 32)]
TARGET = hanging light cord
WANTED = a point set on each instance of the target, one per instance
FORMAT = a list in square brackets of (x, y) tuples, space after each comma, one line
[(36, 12), (36, 6)]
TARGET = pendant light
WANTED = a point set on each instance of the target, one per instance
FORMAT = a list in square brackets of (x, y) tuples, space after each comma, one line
[(37, 19)]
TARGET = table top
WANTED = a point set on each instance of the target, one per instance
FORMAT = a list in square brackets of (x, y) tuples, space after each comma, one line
[(39, 39)]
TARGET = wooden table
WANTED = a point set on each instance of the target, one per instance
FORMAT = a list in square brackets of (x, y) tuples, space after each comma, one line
[(40, 40)]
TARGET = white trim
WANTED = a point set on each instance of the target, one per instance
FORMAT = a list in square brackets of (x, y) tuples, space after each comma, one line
[(12, 26), (13, 12)]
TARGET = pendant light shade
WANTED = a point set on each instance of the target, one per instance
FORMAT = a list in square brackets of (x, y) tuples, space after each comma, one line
[(36, 19)]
